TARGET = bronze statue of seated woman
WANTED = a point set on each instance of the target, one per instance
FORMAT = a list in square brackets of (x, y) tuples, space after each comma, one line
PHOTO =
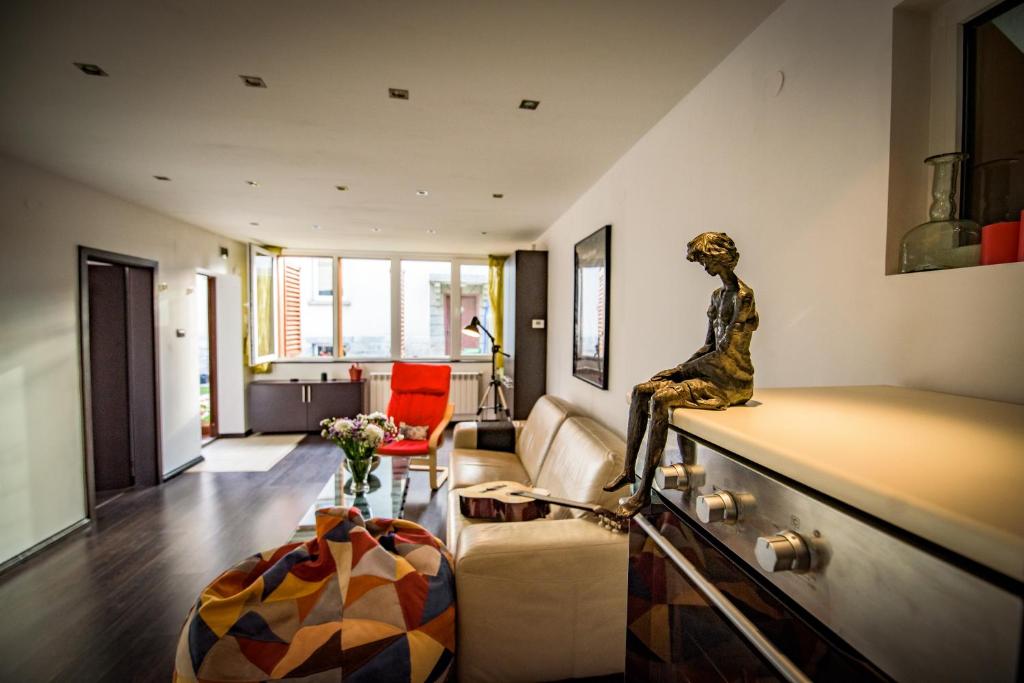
[(717, 376)]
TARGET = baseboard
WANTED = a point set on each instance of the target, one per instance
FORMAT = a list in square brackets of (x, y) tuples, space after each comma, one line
[(242, 435), (178, 470), (43, 545)]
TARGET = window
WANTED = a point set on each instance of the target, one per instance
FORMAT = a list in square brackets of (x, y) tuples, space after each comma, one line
[(262, 314), (365, 308), (426, 309), (307, 325), (476, 302), (993, 133), (332, 307)]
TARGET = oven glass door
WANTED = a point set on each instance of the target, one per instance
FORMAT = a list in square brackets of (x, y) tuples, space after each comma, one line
[(675, 633)]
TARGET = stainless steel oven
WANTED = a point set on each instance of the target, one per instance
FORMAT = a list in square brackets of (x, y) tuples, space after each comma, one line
[(736, 574)]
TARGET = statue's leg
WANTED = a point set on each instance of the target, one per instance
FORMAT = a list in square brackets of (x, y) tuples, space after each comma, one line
[(662, 403), (638, 409)]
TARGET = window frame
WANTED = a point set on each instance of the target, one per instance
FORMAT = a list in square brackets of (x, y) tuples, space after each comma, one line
[(254, 357), (455, 261)]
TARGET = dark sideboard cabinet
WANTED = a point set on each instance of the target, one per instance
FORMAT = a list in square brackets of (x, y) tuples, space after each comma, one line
[(525, 330), (285, 406)]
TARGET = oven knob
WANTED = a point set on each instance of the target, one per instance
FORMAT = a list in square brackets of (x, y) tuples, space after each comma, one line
[(716, 507), (785, 551), (679, 477)]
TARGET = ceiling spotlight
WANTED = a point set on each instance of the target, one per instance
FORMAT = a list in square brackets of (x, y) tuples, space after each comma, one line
[(252, 183), (529, 104), (91, 69), (161, 177), (498, 195), (254, 223), (431, 231), (316, 226), (483, 232), (253, 81), (341, 188), (398, 93), (421, 193), (374, 229)]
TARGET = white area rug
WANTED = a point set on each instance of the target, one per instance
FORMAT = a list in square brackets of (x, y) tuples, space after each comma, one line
[(251, 454)]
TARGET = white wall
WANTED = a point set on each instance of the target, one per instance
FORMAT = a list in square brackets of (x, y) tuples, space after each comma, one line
[(43, 220), (800, 181)]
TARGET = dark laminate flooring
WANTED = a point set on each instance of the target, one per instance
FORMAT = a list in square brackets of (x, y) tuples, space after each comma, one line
[(107, 604)]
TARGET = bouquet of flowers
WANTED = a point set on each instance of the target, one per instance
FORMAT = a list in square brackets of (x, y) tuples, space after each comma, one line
[(359, 437)]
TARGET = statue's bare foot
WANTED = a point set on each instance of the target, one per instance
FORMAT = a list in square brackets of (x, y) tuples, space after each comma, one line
[(630, 506), (624, 477)]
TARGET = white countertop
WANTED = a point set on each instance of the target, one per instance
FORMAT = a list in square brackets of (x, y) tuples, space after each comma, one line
[(947, 468)]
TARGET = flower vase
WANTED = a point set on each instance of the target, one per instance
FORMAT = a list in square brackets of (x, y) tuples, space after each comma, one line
[(359, 467)]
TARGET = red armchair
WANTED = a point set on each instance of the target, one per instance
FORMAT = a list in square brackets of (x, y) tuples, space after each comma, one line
[(419, 396)]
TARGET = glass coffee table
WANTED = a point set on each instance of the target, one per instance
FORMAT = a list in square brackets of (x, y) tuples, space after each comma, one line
[(389, 485)]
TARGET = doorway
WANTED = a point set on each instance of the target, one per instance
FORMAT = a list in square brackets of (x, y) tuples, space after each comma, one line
[(119, 374), (206, 332)]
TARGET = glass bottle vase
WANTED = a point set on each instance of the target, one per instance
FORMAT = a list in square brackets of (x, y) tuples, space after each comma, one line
[(945, 241)]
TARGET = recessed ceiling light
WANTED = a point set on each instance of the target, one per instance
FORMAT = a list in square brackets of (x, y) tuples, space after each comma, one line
[(398, 93), (421, 193), (254, 223), (341, 188), (374, 229), (161, 177), (91, 69), (316, 226), (498, 195), (253, 81), (483, 232), (252, 183), (431, 231), (529, 104)]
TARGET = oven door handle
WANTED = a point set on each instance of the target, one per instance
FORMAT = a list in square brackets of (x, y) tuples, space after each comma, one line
[(717, 599)]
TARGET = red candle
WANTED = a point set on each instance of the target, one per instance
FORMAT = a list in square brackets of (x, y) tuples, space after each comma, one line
[(1000, 242)]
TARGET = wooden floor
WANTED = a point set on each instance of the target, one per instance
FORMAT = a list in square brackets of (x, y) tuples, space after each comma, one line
[(107, 604)]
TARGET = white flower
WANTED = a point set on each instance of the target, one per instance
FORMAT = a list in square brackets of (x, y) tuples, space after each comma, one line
[(373, 435)]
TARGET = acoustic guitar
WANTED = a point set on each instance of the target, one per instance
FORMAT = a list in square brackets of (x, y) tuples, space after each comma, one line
[(510, 501)]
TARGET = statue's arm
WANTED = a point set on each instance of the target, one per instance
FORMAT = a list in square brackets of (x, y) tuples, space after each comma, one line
[(709, 343)]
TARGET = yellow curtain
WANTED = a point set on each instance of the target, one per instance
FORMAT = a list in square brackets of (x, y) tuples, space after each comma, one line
[(496, 293)]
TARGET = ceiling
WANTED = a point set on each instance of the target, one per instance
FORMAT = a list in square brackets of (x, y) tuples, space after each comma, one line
[(173, 105)]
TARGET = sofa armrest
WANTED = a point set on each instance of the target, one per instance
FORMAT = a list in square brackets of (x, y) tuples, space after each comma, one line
[(487, 435), (539, 601)]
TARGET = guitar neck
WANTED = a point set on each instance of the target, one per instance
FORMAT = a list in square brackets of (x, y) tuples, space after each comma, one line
[(577, 505)]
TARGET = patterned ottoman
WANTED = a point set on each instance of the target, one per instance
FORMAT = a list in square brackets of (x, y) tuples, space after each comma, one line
[(363, 601)]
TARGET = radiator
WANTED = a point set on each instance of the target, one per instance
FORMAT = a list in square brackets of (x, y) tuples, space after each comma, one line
[(464, 392)]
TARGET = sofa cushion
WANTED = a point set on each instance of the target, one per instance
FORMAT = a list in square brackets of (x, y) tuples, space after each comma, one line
[(474, 466), (547, 416), (583, 457)]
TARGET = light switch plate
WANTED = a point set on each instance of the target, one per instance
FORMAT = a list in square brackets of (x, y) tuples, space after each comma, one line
[(537, 323)]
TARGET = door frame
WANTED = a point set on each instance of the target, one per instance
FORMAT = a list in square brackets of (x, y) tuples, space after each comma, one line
[(86, 254), (211, 335)]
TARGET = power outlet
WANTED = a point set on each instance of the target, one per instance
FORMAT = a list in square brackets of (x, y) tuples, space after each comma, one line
[(537, 323)]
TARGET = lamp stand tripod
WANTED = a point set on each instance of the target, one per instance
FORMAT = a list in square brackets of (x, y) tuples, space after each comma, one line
[(495, 393)]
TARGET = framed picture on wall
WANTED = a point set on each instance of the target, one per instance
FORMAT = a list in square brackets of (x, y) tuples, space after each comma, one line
[(590, 303)]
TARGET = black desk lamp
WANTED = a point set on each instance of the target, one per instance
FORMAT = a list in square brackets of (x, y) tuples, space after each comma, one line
[(494, 387)]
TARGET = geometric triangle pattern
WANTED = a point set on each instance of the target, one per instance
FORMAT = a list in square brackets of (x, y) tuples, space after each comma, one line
[(367, 600)]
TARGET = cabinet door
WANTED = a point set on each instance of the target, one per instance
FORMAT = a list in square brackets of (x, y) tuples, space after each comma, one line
[(277, 407), (333, 399)]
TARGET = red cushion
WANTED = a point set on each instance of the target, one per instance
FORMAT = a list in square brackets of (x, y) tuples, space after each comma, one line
[(406, 447), (419, 394)]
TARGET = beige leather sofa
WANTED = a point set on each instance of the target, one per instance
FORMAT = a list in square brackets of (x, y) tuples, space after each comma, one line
[(543, 600)]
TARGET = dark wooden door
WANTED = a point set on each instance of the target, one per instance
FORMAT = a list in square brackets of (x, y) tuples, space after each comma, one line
[(142, 407), (332, 399), (108, 359), (277, 406)]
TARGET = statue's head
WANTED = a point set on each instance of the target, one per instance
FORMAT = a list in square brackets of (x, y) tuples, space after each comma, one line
[(714, 250)]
